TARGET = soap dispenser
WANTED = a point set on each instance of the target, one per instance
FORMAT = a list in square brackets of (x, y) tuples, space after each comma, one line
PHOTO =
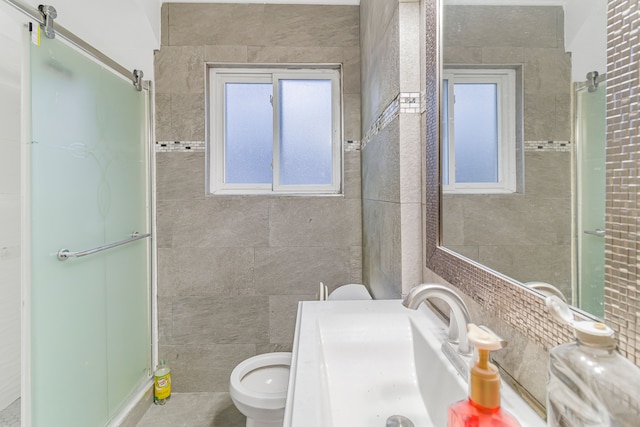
[(482, 408), (590, 383)]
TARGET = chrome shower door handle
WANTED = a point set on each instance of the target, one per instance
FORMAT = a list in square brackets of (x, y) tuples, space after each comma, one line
[(65, 254)]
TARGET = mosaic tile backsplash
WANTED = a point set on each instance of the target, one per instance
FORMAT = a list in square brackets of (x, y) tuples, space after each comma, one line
[(622, 225)]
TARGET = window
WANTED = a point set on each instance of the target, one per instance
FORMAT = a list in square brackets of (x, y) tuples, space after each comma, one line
[(478, 131), (274, 131)]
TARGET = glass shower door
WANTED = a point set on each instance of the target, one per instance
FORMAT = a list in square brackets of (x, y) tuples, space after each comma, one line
[(590, 186), (90, 315)]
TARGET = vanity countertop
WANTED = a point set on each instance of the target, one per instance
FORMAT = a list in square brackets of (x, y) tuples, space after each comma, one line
[(356, 363)]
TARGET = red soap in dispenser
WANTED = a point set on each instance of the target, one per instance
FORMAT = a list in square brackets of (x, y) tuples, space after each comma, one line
[(482, 408)]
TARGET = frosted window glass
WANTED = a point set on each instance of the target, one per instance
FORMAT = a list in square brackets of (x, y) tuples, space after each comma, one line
[(476, 132), (248, 133), (305, 128)]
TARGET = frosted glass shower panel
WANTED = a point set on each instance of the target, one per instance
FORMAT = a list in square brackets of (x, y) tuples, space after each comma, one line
[(248, 141), (127, 269), (305, 132), (591, 186), (89, 187)]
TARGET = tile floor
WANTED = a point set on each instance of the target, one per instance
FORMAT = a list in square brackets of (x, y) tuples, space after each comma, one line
[(183, 410), (10, 416), (194, 410)]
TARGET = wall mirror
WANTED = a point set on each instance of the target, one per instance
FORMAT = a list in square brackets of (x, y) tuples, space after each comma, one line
[(522, 142)]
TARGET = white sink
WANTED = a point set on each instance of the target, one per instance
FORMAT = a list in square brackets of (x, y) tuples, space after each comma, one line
[(356, 363)]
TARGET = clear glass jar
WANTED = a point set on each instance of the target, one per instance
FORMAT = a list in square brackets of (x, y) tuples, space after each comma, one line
[(591, 384)]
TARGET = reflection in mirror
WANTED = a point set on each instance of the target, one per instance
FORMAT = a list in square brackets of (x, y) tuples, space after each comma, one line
[(523, 141)]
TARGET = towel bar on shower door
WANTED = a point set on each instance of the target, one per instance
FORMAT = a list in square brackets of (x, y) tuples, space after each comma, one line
[(64, 254), (597, 232)]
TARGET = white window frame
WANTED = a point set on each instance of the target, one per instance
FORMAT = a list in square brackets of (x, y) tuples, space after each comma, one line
[(505, 80), (216, 132)]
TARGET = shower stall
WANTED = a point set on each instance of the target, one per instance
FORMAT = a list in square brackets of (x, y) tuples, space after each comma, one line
[(86, 228)]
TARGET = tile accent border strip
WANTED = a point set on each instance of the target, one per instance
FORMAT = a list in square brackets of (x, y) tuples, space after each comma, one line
[(403, 103), (388, 115), (547, 146), (173, 146), (410, 102), (200, 146), (351, 145)]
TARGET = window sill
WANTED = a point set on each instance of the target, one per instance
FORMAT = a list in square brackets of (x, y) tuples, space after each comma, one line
[(480, 193), (270, 194)]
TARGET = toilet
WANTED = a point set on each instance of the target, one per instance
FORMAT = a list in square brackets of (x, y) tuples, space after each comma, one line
[(258, 388), (349, 292), (258, 385)]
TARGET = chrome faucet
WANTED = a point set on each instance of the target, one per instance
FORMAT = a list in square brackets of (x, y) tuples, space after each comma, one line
[(546, 289), (458, 317)]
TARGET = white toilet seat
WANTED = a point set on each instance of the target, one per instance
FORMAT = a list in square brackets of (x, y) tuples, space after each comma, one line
[(245, 395)]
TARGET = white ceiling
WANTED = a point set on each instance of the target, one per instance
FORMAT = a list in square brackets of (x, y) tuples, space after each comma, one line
[(508, 2), (333, 2), (357, 2)]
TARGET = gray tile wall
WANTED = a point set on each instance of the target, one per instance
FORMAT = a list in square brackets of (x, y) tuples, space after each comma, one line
[(526, 236), (231, 269), (531, 36), (391, 154), (379, 42)]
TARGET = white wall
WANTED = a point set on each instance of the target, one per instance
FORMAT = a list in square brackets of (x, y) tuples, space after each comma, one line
[(129, 30), (331, 2), (585, 30), (126, 30), (10, 51)]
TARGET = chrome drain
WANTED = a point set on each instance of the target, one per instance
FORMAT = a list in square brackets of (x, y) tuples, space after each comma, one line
[(398, 421)]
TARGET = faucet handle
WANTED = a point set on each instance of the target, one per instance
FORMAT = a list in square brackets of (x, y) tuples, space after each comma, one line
[(503, 342)]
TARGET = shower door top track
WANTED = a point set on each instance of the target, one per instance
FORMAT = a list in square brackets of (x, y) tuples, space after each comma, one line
[(135, 76)]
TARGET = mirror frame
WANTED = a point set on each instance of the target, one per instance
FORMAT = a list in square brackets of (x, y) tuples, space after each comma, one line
[(511, 302)]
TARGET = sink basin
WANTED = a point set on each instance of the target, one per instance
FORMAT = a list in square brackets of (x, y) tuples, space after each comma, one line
[(356, 363), (378, 368)]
